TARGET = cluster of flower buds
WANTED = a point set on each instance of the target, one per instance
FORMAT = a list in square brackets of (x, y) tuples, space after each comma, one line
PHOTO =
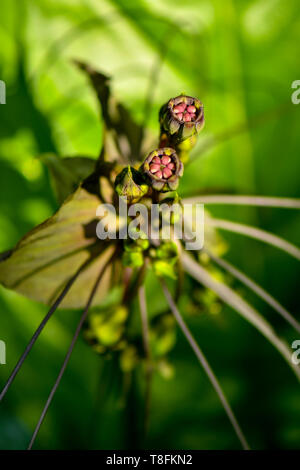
[(181, 118), (163, 169)]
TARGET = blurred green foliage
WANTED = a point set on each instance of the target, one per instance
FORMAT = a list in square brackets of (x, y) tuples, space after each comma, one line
[(240, 58)]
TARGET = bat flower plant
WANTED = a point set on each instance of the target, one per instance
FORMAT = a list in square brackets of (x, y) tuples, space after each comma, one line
[(78, 258)]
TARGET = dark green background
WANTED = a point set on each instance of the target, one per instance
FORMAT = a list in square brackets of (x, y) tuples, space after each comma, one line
[(240, 58)]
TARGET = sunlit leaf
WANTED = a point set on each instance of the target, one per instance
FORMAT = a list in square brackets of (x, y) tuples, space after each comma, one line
[(257, 234)]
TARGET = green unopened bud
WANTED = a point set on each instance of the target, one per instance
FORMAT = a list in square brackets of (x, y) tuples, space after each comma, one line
[(181, 118), (165, 260), (171, 212), (163, 169), (133, 259), (131, 184)]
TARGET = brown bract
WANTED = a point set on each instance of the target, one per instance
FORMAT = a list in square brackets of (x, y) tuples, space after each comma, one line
[(182, 116)]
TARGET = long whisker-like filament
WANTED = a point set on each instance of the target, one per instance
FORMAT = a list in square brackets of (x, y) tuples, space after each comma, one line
[(284, 202), (255, 288), (67, 38), (70, 350), (256, 233), (144, 319), (146, 342), (40, 329), (231, 298), (5, 254), (202, 359)]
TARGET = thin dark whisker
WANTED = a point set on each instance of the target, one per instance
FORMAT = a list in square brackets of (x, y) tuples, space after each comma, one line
[(235, 199), (252, 123), (153, 81), (70, 350), (104, 385), (241, 306), (202, 359), (40, 329)]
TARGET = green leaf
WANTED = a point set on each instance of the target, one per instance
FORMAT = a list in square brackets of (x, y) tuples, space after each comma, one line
[(50, 254), (67, 173)]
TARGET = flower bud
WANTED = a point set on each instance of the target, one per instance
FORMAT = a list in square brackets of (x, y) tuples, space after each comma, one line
[(163, 169), (131, 184), (129, 358), (133, 259), (182, 117)]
